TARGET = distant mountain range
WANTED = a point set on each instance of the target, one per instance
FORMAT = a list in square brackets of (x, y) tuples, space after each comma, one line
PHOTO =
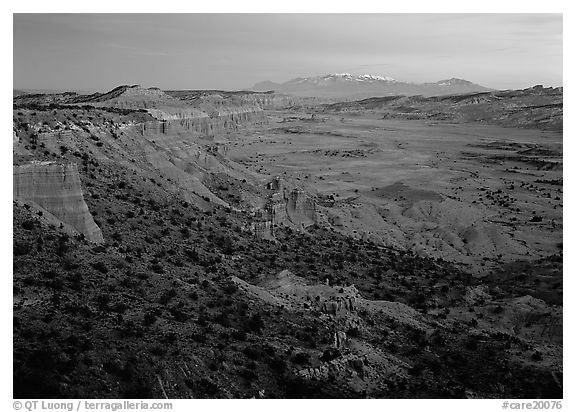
[(350, 86)]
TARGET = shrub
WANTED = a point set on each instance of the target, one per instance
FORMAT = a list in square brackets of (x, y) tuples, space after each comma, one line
[(353, 332), (207, 387), (301, 358), (28, 224), (21, 249), (178, 314), (252, 353), (157, 268), (100, 267), (149, 318), (278, 364), (248, 374), (199, 337), (102, 300), (330, 354), (230, 288), (255, 323), (167, 296), (238, 335), (537, 356)]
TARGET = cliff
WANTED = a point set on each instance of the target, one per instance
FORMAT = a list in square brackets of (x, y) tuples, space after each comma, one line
[(284, 206), (56, 188), (210, 115), (293, 207), (274, 101), (300, 208), (532, 108), (174, 121)]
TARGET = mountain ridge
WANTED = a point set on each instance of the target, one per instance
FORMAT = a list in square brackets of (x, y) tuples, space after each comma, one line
[(346, 85)]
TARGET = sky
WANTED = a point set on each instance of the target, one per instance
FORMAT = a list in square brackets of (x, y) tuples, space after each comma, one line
[(97, 52)]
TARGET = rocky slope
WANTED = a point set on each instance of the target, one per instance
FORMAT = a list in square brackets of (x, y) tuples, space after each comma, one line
[(265, 100), (168, 143), (535, 107), (211, 115), (180, 303)]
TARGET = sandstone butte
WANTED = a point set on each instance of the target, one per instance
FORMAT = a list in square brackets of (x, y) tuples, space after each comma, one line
[(56, 188)]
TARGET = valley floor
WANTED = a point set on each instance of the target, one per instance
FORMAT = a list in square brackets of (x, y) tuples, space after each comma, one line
[(475, 194)]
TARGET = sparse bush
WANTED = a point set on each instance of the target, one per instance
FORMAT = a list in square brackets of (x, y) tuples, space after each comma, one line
[(102, 300), (21, 249), (100, 267), (149, 318), (353, 332), (301, 358), (277, 364), (537, 356), (239, 335), (330, 354), (178, 314), (157, 268), (167, 296), (230, 289), (255, 323), (29, 224)]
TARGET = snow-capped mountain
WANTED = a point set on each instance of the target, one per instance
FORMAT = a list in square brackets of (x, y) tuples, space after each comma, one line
[(346, 85), (454, 82), (340, 78)]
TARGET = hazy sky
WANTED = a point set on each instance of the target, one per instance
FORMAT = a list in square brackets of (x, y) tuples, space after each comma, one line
[(234, 51)]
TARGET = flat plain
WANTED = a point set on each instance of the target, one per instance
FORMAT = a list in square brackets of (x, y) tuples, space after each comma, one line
[(480, 195)]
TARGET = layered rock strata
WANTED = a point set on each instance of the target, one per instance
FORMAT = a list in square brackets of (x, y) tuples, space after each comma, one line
[(286, 207), (203, 123), (56, 188)]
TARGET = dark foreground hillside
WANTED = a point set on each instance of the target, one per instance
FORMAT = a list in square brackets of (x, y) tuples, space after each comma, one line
[(154, 313)]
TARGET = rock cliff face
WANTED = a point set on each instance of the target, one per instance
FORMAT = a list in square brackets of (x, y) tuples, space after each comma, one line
[(274, 101), (341, 366), (265, 100), (209, 115), (338, 304), (339, 339), (56, 188), (174, 122), (300, 208), (263, 230), (293, 208), (128, 97), (532, 108)]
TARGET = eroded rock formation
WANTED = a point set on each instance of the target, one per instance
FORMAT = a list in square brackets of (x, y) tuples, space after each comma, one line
[(300, 208), (339, 339), (209, 124), (344, 365), (338, 304), (263, 229), (56, 188), (287, 207)]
